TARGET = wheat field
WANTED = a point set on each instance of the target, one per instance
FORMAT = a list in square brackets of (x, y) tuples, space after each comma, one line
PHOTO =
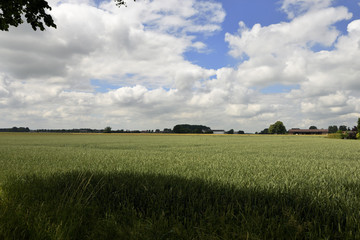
[(157, 186)]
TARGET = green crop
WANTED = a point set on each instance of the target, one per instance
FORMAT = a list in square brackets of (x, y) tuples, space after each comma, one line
[(118, 186)]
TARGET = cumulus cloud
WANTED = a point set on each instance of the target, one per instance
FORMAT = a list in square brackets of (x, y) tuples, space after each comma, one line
[(302, 32), (108, 41), (47, 78), (286, 53)]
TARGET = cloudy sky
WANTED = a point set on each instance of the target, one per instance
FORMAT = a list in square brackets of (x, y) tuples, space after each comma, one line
[(240, 64)]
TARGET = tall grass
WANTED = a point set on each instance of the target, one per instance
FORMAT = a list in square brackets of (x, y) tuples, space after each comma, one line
[(178, 187)]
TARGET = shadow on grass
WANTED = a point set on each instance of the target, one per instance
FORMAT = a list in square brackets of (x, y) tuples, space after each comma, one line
[(85, 205)]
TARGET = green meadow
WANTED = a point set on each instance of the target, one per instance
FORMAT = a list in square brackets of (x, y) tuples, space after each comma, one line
[(119, 186)]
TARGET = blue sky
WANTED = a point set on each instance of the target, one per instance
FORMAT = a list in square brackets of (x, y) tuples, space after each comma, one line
[(251, 12), (240, 64)]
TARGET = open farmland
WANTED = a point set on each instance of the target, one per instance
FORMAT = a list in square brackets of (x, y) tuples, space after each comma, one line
[(68, 186)]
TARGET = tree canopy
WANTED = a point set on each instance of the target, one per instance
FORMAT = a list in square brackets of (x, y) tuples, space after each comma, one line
[(13, 13), (333, 129), (343, 128), (107, 130), (265, 131), (187, 128), (277, 128), (34, 11), (312, 127), (231, 131), (121, 2)]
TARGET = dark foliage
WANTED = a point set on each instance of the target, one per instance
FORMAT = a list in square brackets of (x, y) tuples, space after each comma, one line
[(343, 128), (12, 13), (15, 129), (351, 135), (121, 2), (107, 130), (277, 128), (333, 129), (231, 131), (34, 11), (167, 130), (265, 131), (187, 128)]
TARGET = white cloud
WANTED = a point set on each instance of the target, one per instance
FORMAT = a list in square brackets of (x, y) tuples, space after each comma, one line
[(47, 74), (279, 53), (283, 54), (280, 39), (46, 77), (294, 8)]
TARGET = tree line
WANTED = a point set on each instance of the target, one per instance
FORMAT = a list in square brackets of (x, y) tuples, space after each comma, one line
[(344, 131), (276, 128), (15, 129), (180, 128), (199, 129)]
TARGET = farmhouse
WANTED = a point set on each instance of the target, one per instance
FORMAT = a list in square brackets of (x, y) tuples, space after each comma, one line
[(298, 131)]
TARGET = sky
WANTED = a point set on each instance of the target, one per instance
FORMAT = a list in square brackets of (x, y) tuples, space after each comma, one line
[(226, 64)]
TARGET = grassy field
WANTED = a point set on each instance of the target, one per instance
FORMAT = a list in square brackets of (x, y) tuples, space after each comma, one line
[(68, 186)]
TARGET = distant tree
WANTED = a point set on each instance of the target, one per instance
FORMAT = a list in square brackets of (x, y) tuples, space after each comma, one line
[(343, 128), (241, 132), (265, 131), (107, 130), (15, 129), (271, 129), (231, 131), (12, 13), (358, 125), (180, 129), (333, 129), (187, 128), (312, 127), (277, 128), (167, 130), (25, 129)]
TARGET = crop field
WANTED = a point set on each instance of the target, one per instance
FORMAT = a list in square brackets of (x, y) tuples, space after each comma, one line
[(119, 186)]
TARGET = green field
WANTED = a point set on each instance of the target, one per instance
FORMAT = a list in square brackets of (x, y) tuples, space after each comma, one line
[(68, 186)]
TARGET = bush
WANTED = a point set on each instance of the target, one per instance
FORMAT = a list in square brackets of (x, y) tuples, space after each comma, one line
[(351, 135), (335, 135), (344, 135)]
